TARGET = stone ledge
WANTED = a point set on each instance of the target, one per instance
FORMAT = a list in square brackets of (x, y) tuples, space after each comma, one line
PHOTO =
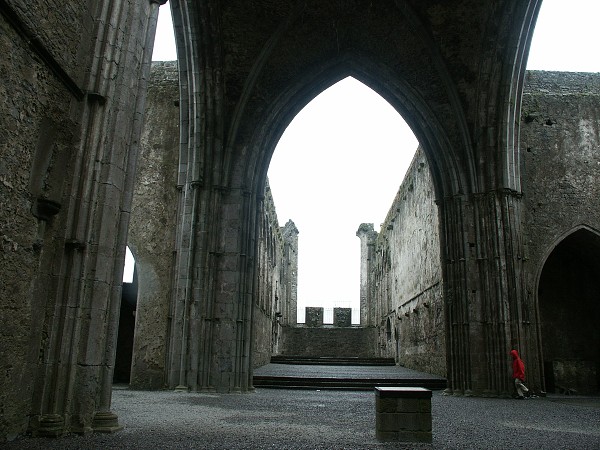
[(402, 392)]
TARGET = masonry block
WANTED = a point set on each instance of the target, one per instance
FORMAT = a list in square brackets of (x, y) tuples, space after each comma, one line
[(314, 316), (403, 414), (342, 317)]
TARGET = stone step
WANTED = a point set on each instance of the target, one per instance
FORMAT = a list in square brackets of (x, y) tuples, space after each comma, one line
[(337, 383), (332, 360)]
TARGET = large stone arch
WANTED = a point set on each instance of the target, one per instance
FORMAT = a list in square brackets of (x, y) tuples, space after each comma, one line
[(460, 91)]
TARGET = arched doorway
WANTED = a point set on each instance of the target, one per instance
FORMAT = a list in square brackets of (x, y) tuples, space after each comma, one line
[(129, 293), (568, 295)]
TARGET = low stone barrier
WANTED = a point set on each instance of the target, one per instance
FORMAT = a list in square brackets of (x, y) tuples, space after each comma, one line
[(403, 414)]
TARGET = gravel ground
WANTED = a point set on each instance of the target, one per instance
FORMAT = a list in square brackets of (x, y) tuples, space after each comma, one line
[(312, 419)]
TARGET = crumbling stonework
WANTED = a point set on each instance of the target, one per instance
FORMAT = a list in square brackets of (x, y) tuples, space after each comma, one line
[(404, 275), (560, 148), (72, 94), (153, 236), (35, 135), (453, 68), (277, 282), (152, 228)]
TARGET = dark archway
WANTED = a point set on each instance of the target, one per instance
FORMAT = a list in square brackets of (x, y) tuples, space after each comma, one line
[(568, 294), (124, 353)]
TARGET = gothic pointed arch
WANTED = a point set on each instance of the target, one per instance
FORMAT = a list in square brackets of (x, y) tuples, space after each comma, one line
[(459, 92), (567, 295)]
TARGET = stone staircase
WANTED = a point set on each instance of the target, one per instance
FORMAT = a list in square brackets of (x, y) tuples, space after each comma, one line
[(333, 360), (301, 372)]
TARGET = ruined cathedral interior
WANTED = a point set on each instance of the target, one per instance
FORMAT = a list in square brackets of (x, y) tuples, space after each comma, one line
[(491, 244)]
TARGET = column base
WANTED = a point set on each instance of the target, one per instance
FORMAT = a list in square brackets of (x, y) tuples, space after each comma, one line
[(51, 425), (106, 422)]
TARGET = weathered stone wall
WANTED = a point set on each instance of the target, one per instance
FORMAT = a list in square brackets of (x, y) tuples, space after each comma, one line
[(560, 148), (71, 95), (329, 341), (405, 283), (152, 236), (36, 134), (152, 227), (276, 286)]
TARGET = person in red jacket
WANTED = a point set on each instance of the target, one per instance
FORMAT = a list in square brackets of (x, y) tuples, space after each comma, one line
[(519, 374)]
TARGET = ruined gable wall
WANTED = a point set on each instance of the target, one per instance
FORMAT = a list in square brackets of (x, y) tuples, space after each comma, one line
[(152, 226), (560, 149), (406, 276), (152, 235), (270, 245), (277, 278), (36, 134)]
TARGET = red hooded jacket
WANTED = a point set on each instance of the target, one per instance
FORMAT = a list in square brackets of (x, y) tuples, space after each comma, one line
[(518, 366)]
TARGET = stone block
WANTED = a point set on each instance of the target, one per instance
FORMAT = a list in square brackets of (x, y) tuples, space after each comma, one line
[(314, 316), (410, 421), (342, 317), (403, 414)]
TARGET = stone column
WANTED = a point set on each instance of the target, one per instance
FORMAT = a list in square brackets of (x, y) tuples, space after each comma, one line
[(74, 385), (482, 260), (367, 236)]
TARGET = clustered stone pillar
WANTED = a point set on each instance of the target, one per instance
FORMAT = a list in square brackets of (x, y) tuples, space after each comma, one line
[(74, 384), (486, 315)]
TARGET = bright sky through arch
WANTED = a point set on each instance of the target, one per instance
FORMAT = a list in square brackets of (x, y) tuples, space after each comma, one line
[(566, 38), (338, 164)]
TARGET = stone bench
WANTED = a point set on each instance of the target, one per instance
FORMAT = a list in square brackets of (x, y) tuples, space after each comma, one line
[(403, 414)]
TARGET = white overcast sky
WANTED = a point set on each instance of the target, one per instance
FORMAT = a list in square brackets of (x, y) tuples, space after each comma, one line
[(341, 160)]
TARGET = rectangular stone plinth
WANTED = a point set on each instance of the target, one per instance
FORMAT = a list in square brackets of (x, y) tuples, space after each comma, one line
[(403, 414)]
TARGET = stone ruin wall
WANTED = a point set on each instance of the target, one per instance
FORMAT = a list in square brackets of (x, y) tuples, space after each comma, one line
[(405, 278), (152, 235), (36, 144), (560, 158), (152, 226), (560, 161), (329, 341), (275, 298)]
